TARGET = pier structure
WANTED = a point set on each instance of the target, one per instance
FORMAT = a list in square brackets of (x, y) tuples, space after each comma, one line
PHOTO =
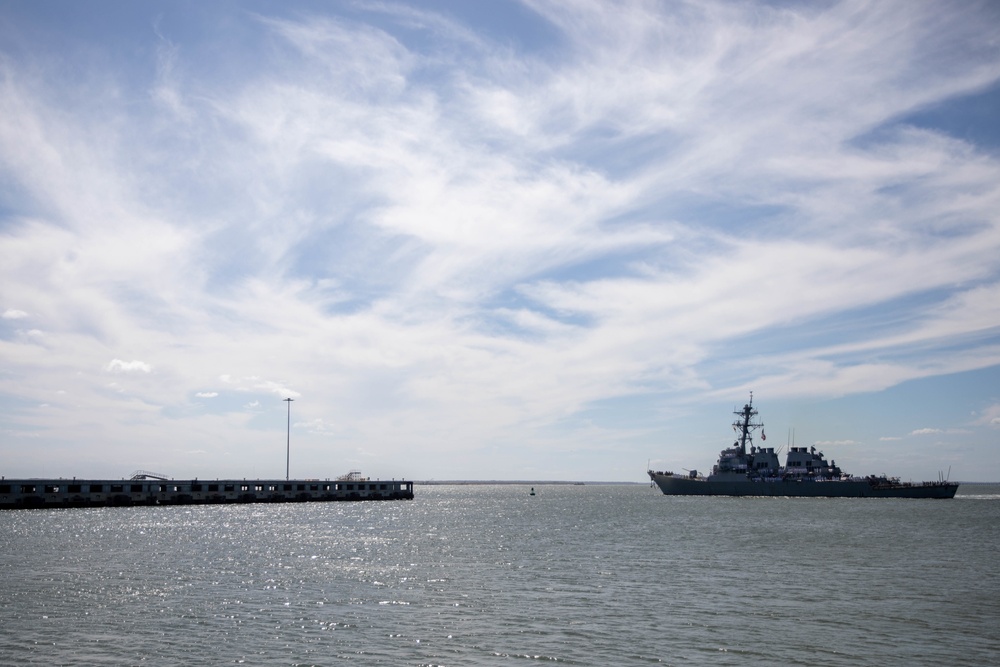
[(51, 493)]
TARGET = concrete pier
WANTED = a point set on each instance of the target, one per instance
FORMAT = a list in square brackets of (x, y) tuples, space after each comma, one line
[(39, 493)]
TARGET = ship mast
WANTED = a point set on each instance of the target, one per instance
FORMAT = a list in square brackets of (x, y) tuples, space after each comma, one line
[(744, 426)]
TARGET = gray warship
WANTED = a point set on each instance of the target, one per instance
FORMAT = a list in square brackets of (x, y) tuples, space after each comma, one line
[(747, 470)]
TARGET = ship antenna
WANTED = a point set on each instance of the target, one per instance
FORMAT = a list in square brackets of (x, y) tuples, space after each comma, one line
[(743, 426)]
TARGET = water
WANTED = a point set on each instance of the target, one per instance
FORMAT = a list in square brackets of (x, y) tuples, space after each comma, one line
[(487, 575)]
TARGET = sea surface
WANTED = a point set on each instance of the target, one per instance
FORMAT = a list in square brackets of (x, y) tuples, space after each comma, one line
[(489, 575)]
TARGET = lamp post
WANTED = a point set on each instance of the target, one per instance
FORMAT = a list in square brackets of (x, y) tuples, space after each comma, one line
[(288, 437)]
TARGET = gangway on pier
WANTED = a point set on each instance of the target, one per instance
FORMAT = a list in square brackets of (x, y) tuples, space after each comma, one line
[(145, 474)]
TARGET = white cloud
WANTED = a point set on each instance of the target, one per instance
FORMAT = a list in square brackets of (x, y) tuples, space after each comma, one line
[(319, 427), (926, 431), (207, 394), (989, 416), (22, 434), (14, 314), (134, 366), (257, 384)]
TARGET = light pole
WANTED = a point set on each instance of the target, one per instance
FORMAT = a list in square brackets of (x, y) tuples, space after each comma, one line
[(288, 437)]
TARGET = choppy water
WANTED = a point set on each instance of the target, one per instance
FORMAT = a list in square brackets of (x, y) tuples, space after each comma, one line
[(486, 575)]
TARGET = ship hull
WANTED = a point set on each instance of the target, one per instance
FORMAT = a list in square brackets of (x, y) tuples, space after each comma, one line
[(675, 485)]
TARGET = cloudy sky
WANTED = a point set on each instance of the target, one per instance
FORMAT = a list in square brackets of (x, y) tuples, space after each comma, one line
[(505, 240)]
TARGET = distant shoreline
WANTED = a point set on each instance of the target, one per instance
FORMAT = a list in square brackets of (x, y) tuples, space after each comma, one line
[(501, 482), (504, 482)]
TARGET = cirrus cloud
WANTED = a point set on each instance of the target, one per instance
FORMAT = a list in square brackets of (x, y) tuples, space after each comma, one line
[(500, 233)]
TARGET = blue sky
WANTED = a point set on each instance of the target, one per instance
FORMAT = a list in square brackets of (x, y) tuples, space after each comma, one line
[(503, 240)]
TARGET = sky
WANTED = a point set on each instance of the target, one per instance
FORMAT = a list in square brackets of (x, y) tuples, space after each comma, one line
[(538, 240)]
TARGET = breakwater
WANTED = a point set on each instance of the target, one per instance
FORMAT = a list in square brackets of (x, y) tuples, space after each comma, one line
[(39, 493)]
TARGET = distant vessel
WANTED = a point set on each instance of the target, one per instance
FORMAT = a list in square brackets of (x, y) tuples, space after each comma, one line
[(747, 470), (146, 488)]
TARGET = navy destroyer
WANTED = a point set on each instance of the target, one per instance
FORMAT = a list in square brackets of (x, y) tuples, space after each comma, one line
[(747, 470)]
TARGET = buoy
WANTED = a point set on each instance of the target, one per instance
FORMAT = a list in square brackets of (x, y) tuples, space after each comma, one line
[(532, 490)]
